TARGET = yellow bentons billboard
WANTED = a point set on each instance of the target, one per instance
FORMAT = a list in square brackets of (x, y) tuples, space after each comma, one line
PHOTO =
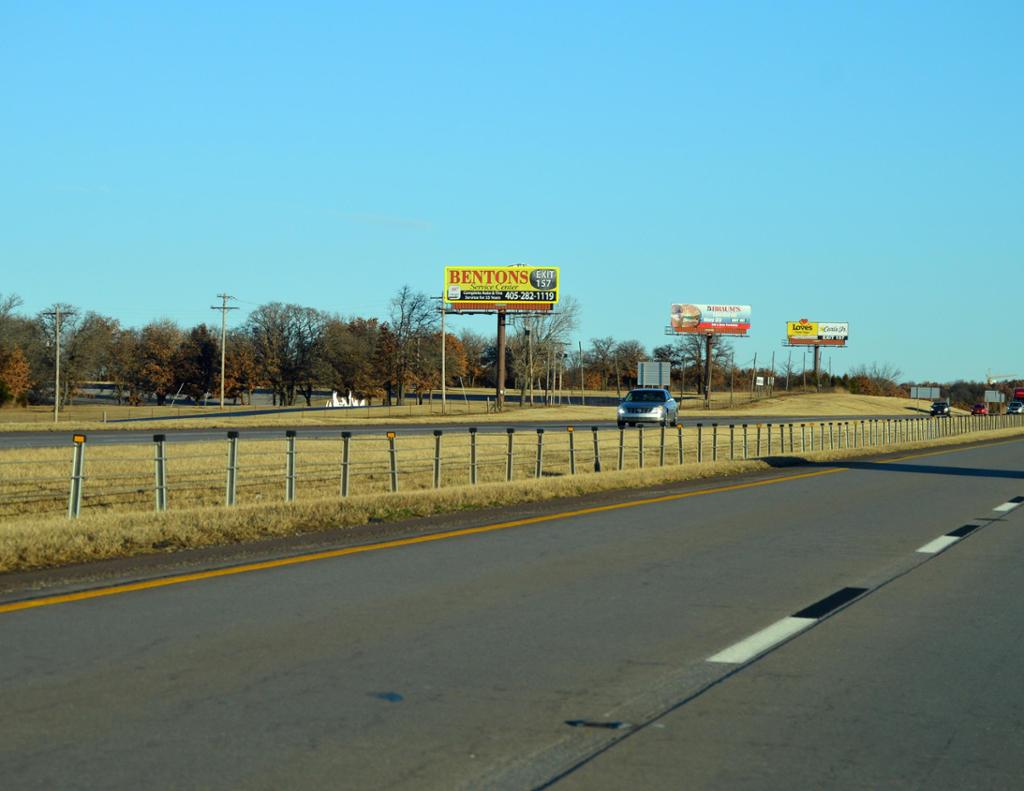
[(501, 287)]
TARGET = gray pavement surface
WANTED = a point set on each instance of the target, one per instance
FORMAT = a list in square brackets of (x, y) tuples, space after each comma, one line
[(459, 662)]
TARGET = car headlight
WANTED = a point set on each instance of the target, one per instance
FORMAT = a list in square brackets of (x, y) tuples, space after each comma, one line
[(622, 410), (658, 410)]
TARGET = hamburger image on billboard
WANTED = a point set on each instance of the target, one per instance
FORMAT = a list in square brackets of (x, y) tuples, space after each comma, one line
[(710, 319)]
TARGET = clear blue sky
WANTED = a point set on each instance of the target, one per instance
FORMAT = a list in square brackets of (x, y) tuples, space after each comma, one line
[(855, 162)]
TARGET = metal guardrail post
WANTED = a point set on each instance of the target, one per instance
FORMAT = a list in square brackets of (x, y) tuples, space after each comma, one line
[(597, 450), (714, 442), (792, 447), (757, 446), (77, 476), (831, 437), (289, 475), (700, 442), (732, 442), (508, 459), (769, 432), (571, 431), (393, 459), (472, 456), (231, 485), (540, 453), (661, 451), (346, 440), (745, 445), (437, 458), (622, 447), (682, 458), (822, 444), (803, 437), (640, 450), (160, 471)]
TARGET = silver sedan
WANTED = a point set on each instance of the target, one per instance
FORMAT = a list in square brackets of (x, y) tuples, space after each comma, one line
[(648, 405)]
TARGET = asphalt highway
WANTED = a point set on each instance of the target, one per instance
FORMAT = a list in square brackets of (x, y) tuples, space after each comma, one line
[(852, 626), (49, 439)]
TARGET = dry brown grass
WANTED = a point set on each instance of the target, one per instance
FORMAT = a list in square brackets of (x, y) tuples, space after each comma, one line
[(89, 418), (33, 539)]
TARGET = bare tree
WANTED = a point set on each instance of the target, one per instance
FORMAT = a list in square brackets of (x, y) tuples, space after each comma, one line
[(541, 338), (628, 355), (412, 319), (601, 357), (876, 379)]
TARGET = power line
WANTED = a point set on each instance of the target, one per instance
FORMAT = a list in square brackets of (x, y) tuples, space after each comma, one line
[(223, 308), (56, 313)]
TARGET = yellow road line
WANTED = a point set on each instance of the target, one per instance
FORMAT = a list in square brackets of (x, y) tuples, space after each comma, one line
[(114, 590)]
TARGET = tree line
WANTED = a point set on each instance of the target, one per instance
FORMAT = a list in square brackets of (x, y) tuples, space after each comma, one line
[(293, 351)]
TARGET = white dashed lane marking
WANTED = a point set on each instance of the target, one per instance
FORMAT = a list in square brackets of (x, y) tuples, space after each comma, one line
[(780, 631), (1009, 505), (938, 544)]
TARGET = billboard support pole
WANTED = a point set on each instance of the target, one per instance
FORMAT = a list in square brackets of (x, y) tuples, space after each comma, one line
[(707, 371), (499, 399)]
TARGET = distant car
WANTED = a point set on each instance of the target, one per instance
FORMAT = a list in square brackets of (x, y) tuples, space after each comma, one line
[(979, 409), (1015, 408), (940, 409), (648, 405)]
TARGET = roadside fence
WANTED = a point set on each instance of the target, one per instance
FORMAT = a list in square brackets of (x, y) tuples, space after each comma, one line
[(183, 474)]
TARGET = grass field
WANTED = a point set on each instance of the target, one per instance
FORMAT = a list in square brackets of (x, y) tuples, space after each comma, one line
[(35, 540), (90, 418), (118, 515)]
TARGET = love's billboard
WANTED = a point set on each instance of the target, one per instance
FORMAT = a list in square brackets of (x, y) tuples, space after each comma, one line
[(817, 333)]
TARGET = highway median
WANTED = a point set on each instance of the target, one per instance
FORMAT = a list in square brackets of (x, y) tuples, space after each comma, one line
[(34, 541)]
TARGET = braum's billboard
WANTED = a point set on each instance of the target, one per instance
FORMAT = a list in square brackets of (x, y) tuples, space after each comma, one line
[(817, 333), (501, 287), (711, 319)]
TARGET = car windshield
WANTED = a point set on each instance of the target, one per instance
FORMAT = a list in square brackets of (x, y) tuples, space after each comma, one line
[(655, 396)]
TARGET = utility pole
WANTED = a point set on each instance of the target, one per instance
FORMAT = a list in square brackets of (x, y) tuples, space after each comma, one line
[(223, 308), (57, 313), (789, 369), (771, 380), (753, 377)]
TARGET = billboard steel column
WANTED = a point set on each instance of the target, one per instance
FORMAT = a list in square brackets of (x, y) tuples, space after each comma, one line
[(709, 339), (500, 387)]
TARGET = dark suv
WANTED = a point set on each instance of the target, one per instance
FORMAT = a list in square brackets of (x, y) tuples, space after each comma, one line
[(940, 409)]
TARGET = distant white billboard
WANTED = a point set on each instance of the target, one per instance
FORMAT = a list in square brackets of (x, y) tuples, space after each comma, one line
[(653, 373)]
